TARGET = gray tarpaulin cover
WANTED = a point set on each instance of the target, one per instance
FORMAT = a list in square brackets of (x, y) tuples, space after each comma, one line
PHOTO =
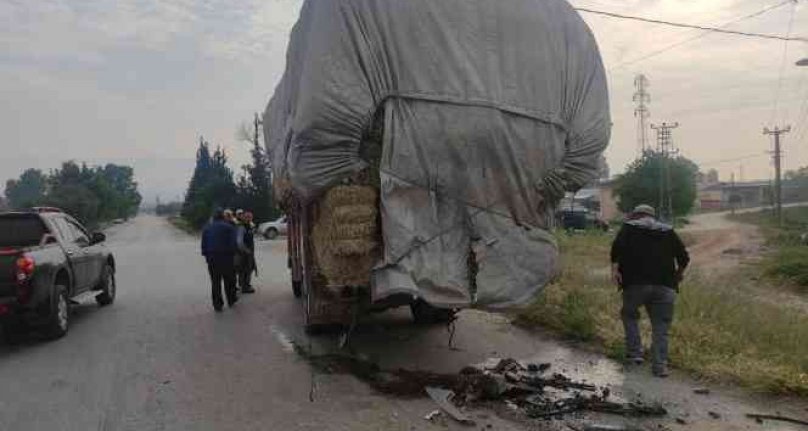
[(491, 108)]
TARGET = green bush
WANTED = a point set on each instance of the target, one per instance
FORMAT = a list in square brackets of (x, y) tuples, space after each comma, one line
[(789, 263)]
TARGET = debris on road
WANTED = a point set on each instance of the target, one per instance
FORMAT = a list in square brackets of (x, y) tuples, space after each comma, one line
[(701, 391), (522, 389), (714, 415), (760, 418), (432, 415), (600, 427), (443, 398)]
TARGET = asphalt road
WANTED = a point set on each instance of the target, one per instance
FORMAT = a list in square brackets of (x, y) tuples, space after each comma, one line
[(161, 359)]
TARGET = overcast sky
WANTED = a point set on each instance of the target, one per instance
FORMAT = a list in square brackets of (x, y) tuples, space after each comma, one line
[(137, 81)]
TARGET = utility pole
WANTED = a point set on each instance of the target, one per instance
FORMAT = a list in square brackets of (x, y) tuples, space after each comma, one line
[(778, 186), (665, 150), (642, 98), (732, 202)]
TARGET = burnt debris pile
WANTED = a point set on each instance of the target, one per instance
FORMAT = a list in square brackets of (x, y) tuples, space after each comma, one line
[(530, 389)]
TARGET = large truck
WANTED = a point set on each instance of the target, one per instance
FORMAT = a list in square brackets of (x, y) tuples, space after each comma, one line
[(419, 149)]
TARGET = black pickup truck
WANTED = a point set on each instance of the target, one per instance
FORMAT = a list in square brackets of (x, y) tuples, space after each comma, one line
[(48, 261)]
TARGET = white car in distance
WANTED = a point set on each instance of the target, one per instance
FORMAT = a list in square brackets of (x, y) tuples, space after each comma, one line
[(273, 229)]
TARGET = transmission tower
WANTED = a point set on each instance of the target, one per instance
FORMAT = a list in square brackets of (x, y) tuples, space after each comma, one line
[(642, 98), (666, 151)]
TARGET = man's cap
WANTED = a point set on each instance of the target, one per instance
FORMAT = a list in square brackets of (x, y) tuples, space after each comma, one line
[(645, 209), (239, 211)]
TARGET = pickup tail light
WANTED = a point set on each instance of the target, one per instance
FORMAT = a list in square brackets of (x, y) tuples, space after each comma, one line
[(25, 269), (25, 265)]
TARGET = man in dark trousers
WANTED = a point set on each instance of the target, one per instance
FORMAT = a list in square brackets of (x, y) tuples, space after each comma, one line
[(246, 245), (219, 248), (648, 261)]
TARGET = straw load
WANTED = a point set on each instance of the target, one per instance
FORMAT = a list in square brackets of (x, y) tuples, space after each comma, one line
[(346, 235)]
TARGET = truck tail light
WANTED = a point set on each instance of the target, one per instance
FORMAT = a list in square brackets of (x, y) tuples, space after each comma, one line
[(25, 269)]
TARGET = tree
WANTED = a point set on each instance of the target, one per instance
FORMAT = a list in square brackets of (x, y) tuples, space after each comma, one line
[(91, 194), (125, 195), (257, 195), (799, 176), (27, 191), (211, 185), (78, 201), (640, 184), (94, 194)]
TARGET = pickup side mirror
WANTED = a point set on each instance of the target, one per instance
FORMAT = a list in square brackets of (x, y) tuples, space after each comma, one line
[(48, 239), (97, 238)]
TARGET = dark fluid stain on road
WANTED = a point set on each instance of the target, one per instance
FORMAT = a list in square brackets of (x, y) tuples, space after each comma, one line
[(523, 389), (399, 383)]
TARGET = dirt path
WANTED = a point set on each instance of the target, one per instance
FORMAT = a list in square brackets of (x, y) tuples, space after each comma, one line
[(718, 243)]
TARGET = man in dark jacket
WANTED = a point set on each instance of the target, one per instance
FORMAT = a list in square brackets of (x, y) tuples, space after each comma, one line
[(219, 248), (648, 261), (246, 246)]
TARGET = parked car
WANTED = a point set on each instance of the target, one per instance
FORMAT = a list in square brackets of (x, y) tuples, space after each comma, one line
[(581, 219), (272, 229), (49, 261)]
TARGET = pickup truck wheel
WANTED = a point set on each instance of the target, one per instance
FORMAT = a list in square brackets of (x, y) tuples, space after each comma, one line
[(271, 233), (107, 287), (59, 319)]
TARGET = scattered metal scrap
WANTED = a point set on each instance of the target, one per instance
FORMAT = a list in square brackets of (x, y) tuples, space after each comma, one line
[(443, 398), (527, 389)]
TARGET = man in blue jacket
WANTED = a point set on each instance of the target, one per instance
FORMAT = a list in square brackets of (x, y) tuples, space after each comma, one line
[(219, 248)]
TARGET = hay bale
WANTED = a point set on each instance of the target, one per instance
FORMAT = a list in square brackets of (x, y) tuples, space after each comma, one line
[(349, 195), (353, 247), (354, 213), (357, 231), (283, 191), (346, 235)]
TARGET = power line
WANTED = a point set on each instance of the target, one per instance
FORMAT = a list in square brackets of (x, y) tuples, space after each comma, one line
[(699, 36), (775, 110), (697, 27), (734, 159)]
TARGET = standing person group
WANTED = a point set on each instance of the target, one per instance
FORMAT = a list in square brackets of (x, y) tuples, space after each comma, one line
[(228, 246), (648, 262)]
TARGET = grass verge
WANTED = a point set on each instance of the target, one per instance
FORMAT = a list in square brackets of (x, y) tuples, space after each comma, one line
[(788, 259), (181, 224), (721, 331)]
